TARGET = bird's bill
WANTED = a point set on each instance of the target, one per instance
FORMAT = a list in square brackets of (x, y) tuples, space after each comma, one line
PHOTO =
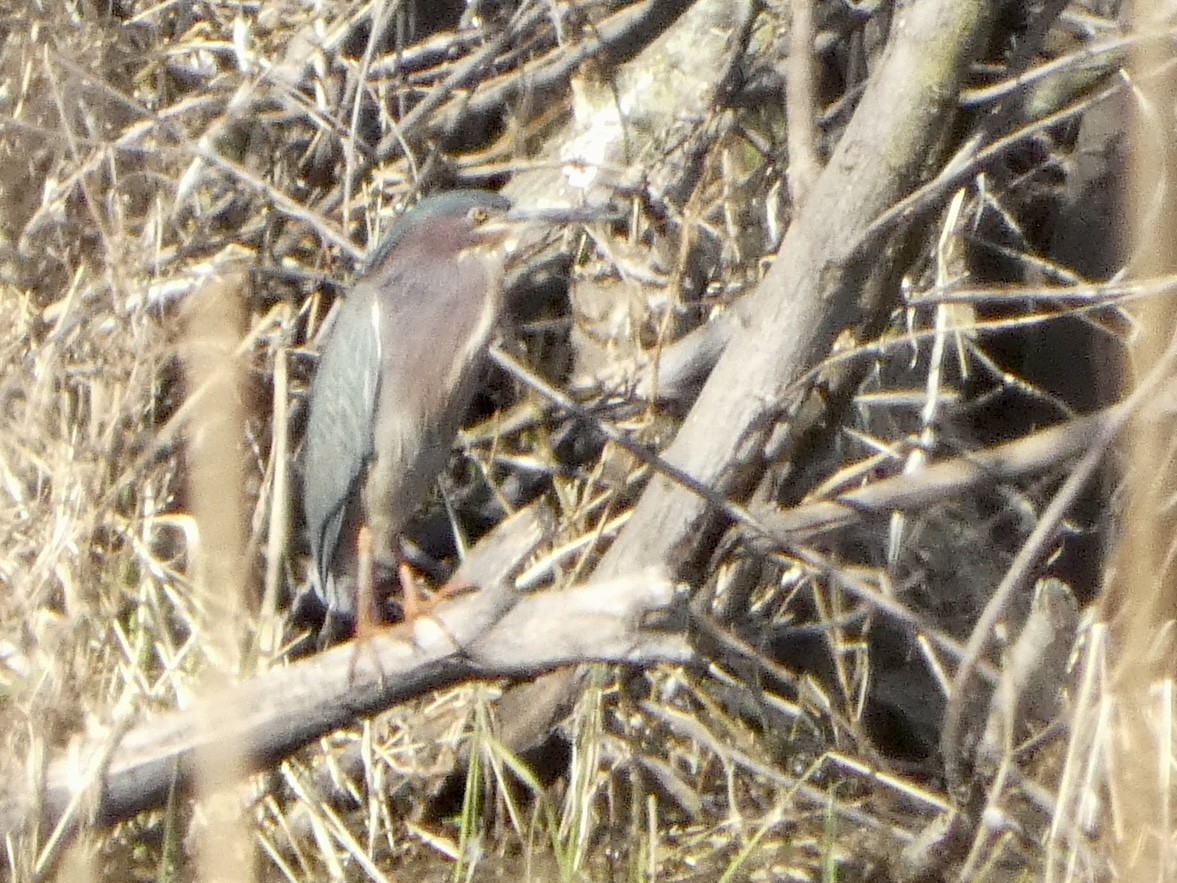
[(564, 215), (507, 229)]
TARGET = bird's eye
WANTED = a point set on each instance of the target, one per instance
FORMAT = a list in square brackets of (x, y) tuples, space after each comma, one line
[(478, 215)]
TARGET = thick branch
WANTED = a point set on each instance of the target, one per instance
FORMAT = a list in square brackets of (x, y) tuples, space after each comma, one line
[(810, 294), (490, 633), (808, 297)]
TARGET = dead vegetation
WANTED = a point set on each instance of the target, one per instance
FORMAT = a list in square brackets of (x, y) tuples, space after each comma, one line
[(920, 517)]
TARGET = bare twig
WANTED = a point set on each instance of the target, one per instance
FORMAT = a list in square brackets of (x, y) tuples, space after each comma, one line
[(1046, 449), (801, 104)]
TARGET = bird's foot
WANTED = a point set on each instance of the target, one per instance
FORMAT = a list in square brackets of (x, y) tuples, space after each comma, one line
[(416, 604)]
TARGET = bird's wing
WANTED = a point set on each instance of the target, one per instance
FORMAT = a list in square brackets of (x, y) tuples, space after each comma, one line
[(339, 425)]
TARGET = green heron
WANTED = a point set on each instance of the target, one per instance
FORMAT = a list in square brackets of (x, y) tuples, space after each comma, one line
[(394, 381)]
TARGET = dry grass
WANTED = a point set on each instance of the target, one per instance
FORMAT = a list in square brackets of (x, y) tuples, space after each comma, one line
[(180, 181)]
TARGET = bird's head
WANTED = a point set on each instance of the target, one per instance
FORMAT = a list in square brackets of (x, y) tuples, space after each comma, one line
[(450, 225), (442, 226)]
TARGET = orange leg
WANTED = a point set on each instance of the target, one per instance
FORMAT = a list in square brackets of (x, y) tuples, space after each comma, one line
[(367, 622)]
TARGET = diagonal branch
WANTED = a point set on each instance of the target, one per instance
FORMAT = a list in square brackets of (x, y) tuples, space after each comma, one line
[(810, 294), (495, 632)]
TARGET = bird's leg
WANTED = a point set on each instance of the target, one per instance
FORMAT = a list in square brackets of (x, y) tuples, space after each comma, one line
[(367, 620), (367, 623)]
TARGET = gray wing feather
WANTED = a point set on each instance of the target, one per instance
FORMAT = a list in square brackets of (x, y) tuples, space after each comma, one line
[(339, 428)]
